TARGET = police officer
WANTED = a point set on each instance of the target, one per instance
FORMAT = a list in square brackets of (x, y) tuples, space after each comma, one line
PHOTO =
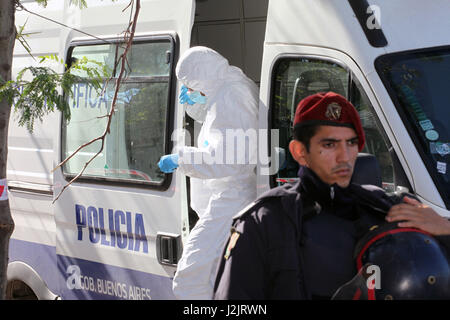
[(297, 241)]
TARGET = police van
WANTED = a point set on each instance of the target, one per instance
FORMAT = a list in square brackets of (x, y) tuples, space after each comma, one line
[(117, 232)]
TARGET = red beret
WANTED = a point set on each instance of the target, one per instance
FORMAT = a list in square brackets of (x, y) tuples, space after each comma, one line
[(329, 109)]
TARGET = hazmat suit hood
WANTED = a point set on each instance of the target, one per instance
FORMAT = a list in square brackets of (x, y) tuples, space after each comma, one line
[(203, 69)]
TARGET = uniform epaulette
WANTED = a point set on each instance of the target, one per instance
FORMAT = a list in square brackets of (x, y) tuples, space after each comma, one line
[(270, 194), (248, 208)]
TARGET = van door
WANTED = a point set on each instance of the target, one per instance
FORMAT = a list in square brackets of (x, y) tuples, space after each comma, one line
[(296, 72), (121, 225)]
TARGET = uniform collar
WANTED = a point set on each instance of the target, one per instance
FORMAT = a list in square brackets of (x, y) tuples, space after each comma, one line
[(312, 186), (335, 199)]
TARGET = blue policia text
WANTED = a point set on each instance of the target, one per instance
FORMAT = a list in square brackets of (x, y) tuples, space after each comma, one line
[(96, 219)]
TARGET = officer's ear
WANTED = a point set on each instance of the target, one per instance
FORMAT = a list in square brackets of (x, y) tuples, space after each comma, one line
[(298, 151)]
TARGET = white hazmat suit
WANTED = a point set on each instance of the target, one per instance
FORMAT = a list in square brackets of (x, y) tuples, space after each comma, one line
[(222, 167)]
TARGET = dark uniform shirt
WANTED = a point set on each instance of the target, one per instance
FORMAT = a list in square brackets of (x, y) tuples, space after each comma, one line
[(297, 241)]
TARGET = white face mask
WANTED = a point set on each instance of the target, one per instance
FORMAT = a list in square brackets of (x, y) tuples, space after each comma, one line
[(196, 111)]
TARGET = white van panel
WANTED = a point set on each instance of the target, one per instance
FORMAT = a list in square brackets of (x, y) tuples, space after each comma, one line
[(414, 24), (31, 155), (381, 102), (47, 236), (320, 23), (76, 242), (33, 217), (409, 24)]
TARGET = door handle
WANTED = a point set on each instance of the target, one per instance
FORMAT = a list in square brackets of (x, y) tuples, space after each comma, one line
[(168, 248)]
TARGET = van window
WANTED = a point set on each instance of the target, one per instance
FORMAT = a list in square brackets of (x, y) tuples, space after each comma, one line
[(297, 78), (417, 82), (137, 138)]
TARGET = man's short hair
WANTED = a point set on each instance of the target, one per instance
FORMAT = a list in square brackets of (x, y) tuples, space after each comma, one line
[(305, 133)]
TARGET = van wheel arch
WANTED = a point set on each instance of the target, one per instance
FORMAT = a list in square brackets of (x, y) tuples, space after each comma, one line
[(25, 283)]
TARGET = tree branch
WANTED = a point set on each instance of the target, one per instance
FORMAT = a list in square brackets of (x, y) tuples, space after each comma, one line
[(128, 36)]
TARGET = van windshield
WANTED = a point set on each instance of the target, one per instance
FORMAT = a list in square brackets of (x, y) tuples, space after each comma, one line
[(419, 85)]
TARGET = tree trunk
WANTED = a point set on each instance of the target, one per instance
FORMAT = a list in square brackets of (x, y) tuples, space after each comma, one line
[(7, 39)]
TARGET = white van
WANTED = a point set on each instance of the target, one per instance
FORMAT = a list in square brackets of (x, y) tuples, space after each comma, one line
[(117, 232)]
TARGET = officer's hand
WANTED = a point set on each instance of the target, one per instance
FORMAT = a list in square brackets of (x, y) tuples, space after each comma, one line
[(414, 214)]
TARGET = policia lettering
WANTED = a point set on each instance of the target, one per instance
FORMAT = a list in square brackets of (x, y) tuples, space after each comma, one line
[(94, 220)]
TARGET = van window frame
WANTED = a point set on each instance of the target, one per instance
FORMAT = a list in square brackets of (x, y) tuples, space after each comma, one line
[(379, 61), (164, 184), (399, 176)]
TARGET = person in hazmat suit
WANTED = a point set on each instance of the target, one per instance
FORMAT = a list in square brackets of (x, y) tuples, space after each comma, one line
[(222, 167)]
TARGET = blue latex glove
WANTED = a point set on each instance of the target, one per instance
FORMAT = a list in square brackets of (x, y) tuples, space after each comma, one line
[(184, 96), (168, 163)]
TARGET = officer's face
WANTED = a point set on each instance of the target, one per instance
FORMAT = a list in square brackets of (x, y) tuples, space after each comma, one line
[(332, 154)]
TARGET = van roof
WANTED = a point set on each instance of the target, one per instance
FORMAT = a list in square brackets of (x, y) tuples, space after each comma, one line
[(406, 24)]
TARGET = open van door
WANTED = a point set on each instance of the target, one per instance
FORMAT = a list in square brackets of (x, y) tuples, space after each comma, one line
[(364, 52), (303, 57), (120, 226)]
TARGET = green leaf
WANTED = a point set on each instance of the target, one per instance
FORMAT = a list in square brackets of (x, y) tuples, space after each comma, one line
[(80, 3), (48, 91)]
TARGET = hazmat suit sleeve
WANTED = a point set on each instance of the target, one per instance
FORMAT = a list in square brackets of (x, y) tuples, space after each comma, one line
[(228, 139)]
